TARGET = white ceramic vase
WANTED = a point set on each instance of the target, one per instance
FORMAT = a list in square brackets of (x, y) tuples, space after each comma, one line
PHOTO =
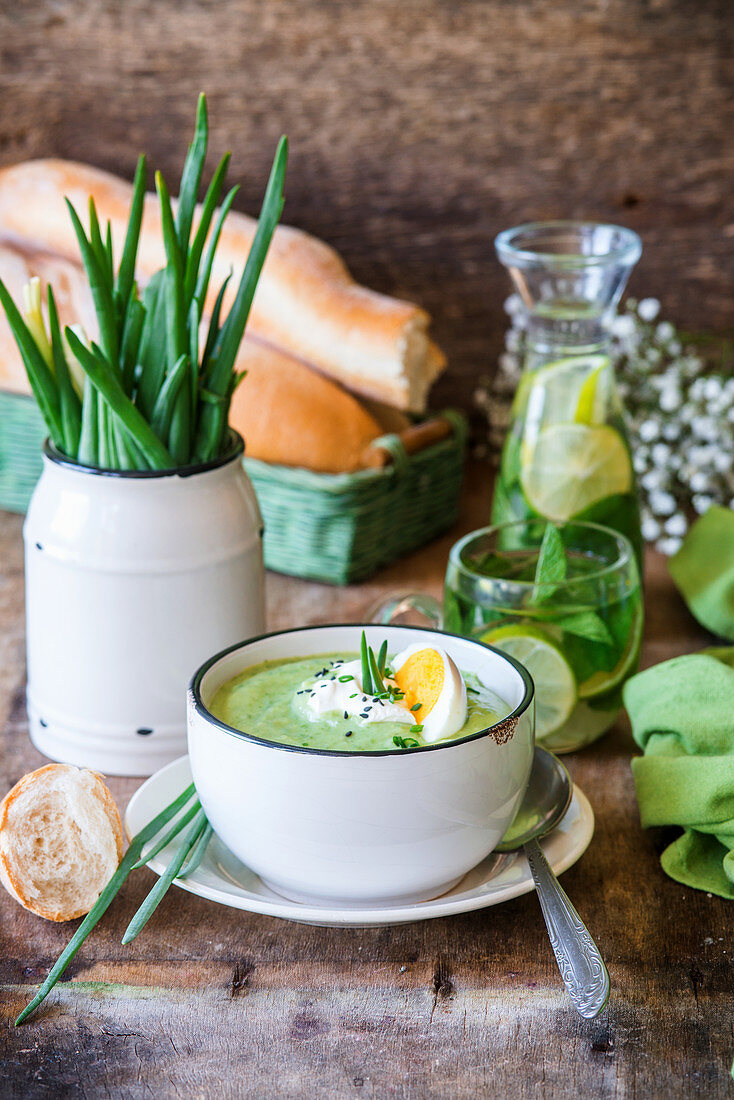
[(132, 580)]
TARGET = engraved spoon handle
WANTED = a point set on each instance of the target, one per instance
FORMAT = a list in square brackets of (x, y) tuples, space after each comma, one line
[(582, 968)]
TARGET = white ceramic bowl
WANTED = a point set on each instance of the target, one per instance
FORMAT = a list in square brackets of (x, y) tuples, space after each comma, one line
[(358, 827)]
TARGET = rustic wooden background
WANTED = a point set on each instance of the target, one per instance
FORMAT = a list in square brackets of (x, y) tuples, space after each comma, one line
[(419, 128)]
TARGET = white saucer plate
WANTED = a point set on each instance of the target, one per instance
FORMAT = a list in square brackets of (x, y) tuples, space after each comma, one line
[(222, 878)]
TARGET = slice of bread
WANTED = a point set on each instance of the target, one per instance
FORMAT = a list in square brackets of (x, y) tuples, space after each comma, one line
[(60, 841)]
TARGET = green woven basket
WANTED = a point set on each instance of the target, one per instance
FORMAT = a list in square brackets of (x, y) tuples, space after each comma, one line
[(328, 527), (342, 527), (22, 431)]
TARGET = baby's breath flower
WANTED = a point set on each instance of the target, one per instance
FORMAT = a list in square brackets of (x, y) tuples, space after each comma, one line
[(648, 309)]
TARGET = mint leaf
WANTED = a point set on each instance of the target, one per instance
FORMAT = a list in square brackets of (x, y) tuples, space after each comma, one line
[(552, 565), (585, 624)]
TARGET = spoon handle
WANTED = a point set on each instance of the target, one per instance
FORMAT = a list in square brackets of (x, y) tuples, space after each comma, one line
[(582, 968)]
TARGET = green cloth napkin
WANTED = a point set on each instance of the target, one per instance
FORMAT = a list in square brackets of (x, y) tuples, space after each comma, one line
[(703, 570), (682, 714)]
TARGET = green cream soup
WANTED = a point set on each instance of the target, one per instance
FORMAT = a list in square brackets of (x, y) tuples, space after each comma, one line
[(270, 700)]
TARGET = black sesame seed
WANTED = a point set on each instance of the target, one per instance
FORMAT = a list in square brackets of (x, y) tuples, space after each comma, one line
[(348, 733), (346, 714)]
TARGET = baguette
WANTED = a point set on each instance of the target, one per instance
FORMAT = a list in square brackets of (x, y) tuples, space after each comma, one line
[(306, 301), (60, 841), (291, 415)]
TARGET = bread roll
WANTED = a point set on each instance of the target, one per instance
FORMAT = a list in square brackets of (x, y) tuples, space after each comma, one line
[(291, 415), (306, 301), (60, 841)]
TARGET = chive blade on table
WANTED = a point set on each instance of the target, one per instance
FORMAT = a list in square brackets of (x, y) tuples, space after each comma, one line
[(105, 899), (166, 838), (197, 853), (156, 895)]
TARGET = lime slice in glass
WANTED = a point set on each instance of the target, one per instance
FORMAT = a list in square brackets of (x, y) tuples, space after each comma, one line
[(571, 467), (555, 684)]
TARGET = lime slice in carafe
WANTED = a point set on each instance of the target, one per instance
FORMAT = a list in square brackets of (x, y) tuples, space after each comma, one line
[(573, 389), (555, 683), (571, 467)]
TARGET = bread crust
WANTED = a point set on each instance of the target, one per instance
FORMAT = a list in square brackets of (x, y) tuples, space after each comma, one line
[(291, 415), (306, 301), (11, 881)]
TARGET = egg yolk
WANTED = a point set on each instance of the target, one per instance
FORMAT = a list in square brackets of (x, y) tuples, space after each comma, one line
[(421, 678)]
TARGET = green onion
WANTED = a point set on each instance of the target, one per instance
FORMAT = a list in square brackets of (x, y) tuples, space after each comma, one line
[(405, 742), (416, 706), (382, 658), (99, 372), (136, 403), (416, 729)]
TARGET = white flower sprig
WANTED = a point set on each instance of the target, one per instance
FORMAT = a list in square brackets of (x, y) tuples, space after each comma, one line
[(680, 414)]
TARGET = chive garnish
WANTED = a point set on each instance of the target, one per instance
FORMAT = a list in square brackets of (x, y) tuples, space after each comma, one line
[(474, 691), (416, 729), (416, 706), (382, 658), (366, 672), (405, 742), (377, 683), (345, 679)]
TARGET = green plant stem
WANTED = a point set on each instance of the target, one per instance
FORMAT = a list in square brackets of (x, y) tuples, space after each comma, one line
[(106, 382), (197, 853), (156, 895), (367, 687)]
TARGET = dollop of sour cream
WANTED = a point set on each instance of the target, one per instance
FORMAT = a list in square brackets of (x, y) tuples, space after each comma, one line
[(434, 693), (328, 693)]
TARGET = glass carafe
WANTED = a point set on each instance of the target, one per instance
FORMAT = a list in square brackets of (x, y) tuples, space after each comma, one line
[(566, 456)]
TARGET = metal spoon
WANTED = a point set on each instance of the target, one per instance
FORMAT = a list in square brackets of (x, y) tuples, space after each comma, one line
[(546, 800)]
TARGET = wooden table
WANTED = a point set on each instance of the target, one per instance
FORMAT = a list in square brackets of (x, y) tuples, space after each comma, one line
[(211, 1002)]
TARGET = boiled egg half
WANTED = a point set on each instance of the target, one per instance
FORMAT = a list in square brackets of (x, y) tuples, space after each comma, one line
[(433, 686)]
